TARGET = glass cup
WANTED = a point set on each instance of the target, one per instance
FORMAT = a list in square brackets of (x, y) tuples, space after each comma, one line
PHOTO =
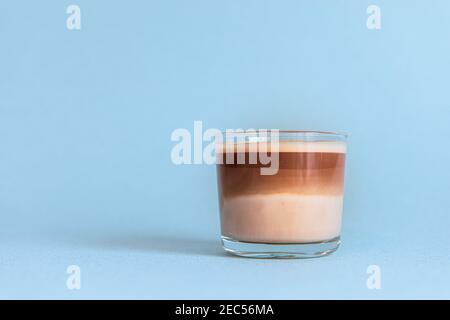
[(281, 192)]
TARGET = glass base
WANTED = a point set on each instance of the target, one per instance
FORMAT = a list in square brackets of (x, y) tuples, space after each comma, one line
[(280, 250)]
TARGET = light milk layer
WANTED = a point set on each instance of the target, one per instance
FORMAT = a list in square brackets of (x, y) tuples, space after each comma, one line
[(283, 146), (282, 218)]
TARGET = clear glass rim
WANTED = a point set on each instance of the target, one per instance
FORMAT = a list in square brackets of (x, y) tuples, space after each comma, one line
[(307, 133)]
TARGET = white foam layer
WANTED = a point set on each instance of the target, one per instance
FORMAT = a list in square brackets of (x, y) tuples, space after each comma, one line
[(282, 218), (283, 146)]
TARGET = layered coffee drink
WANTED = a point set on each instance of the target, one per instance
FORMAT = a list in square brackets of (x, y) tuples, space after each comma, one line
[(299, 204)]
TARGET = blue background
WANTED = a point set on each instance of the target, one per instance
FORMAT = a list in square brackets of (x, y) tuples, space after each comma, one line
[(86, 116)]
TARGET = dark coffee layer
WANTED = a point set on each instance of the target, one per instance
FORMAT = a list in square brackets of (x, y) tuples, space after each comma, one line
[(305, 173)]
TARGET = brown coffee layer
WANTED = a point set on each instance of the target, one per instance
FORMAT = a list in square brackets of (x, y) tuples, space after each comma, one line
[(305, 173)]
